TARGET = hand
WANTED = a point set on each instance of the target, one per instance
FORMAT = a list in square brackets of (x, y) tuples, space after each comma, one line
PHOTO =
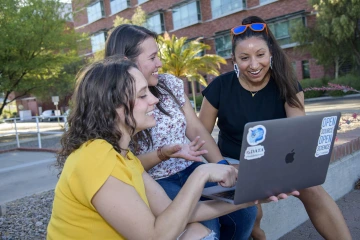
[(188, 151), (225, 175), (235, 165), (279, 197)]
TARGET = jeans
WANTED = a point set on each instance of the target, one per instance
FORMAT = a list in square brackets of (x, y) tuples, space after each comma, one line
[(236, 225)]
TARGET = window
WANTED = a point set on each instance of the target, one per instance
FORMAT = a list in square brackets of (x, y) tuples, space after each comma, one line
[(282, 30), (95, 11), (156, 23), (98, 42), (223, 45), (262, 2), (305, 69), (118, 5), (186, 15), (222, 7)]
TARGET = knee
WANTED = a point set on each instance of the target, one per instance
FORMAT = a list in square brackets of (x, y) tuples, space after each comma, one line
[(312, 192), (195, 231)]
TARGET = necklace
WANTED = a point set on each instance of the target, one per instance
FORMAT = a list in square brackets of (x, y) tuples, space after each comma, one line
[(253, 93)]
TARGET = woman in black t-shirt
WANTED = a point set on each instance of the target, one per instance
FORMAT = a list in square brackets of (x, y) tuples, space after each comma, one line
[(263, 86)]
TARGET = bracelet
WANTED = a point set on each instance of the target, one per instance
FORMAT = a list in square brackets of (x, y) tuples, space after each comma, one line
[(223, 162), (161, 155)]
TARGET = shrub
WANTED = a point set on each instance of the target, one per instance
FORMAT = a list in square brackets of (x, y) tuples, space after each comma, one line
[(199, 99), (350, 80), (311, 83)]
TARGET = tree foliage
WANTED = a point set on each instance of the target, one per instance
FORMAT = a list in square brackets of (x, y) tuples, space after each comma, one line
[(35, 45), (184, 58), (335, 37), (138, 18)]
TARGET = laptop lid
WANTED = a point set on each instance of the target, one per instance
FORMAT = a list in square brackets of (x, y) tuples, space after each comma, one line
[(282, 155)]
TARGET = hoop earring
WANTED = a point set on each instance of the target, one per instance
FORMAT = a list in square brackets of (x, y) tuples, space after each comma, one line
[(236, 69), (271, 62)]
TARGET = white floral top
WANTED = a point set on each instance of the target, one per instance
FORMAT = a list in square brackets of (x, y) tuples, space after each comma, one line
[(169, 129)]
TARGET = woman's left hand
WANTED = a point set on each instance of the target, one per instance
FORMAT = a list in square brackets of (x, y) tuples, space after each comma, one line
[(278, 197), (190, 151)]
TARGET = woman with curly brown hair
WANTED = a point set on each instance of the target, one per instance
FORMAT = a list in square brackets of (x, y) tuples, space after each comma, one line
[(103, 191)]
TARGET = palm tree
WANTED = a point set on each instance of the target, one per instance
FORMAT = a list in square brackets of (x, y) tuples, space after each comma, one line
[(185, 59)]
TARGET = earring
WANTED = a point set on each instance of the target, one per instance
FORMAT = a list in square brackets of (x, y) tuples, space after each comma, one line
[(236, 69), (271, 62)]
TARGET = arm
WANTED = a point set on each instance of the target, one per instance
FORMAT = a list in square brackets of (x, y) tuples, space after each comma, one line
[(122, 207), (295, 112), (195, 128), (185, 151), (149, 160), (208, 115)]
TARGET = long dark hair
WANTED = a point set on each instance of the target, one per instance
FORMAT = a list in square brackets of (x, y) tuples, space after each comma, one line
[(282, 71), (101, 88), (125, 40)]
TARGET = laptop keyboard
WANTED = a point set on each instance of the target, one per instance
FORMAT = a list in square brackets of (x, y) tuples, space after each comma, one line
[(227, 194)]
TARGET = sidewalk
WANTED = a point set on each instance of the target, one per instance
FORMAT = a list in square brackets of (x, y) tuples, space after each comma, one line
[(349, 206)]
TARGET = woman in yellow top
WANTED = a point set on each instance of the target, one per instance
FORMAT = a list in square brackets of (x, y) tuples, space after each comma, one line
[(103, 191)]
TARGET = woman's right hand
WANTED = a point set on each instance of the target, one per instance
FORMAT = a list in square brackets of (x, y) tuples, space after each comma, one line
[(225, 175), (190, 151)]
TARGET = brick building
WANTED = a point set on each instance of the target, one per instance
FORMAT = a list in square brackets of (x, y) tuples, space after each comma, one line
[(209, 19)]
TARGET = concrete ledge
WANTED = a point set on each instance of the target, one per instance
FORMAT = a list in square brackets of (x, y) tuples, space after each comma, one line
[(30, 150), (282, 217), (345, 149)]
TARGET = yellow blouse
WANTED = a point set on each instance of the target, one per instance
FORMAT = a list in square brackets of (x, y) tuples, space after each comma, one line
[(85, 171)]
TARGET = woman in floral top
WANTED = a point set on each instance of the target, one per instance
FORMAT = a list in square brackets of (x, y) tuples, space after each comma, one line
[(168, 156)]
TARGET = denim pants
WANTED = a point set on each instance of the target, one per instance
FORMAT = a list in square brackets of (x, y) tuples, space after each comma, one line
[(236, 225)]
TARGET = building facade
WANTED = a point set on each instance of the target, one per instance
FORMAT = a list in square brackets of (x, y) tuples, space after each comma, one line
[(209, 19)]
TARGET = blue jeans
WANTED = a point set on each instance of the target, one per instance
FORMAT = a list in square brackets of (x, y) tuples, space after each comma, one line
[(236, 225)]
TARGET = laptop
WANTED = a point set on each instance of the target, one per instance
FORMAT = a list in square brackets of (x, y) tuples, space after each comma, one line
[(280, 156)]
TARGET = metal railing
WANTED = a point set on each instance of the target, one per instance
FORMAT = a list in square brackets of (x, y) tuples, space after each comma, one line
[(37, 130)]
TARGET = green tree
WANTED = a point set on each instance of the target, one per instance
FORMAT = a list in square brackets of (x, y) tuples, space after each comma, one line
[(335, 37), (185, 59), (62, 85), (35, 45), (138, 18)]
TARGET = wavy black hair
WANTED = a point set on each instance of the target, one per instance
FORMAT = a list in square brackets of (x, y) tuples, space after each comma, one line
[(282, 71), (101, 88)]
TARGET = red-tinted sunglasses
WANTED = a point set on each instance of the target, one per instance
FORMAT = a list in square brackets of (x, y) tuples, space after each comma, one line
[(256, 27)]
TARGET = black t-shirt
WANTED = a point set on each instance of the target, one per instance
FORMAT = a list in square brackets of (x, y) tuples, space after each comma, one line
[(236, 107)]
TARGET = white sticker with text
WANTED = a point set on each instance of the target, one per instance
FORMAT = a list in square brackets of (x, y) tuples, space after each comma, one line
[(254, 152), (326, 136)]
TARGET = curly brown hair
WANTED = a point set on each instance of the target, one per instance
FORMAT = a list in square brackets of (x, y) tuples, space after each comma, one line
[(101, 88)]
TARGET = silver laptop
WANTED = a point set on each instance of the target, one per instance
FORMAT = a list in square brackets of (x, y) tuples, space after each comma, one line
[(280, 156)]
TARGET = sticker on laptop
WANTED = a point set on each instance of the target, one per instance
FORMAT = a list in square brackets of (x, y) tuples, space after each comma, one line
[(326, 136), (256, 135), (254, 152)]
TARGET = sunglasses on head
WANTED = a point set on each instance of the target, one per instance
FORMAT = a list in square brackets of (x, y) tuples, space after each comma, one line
[(256, 27)]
